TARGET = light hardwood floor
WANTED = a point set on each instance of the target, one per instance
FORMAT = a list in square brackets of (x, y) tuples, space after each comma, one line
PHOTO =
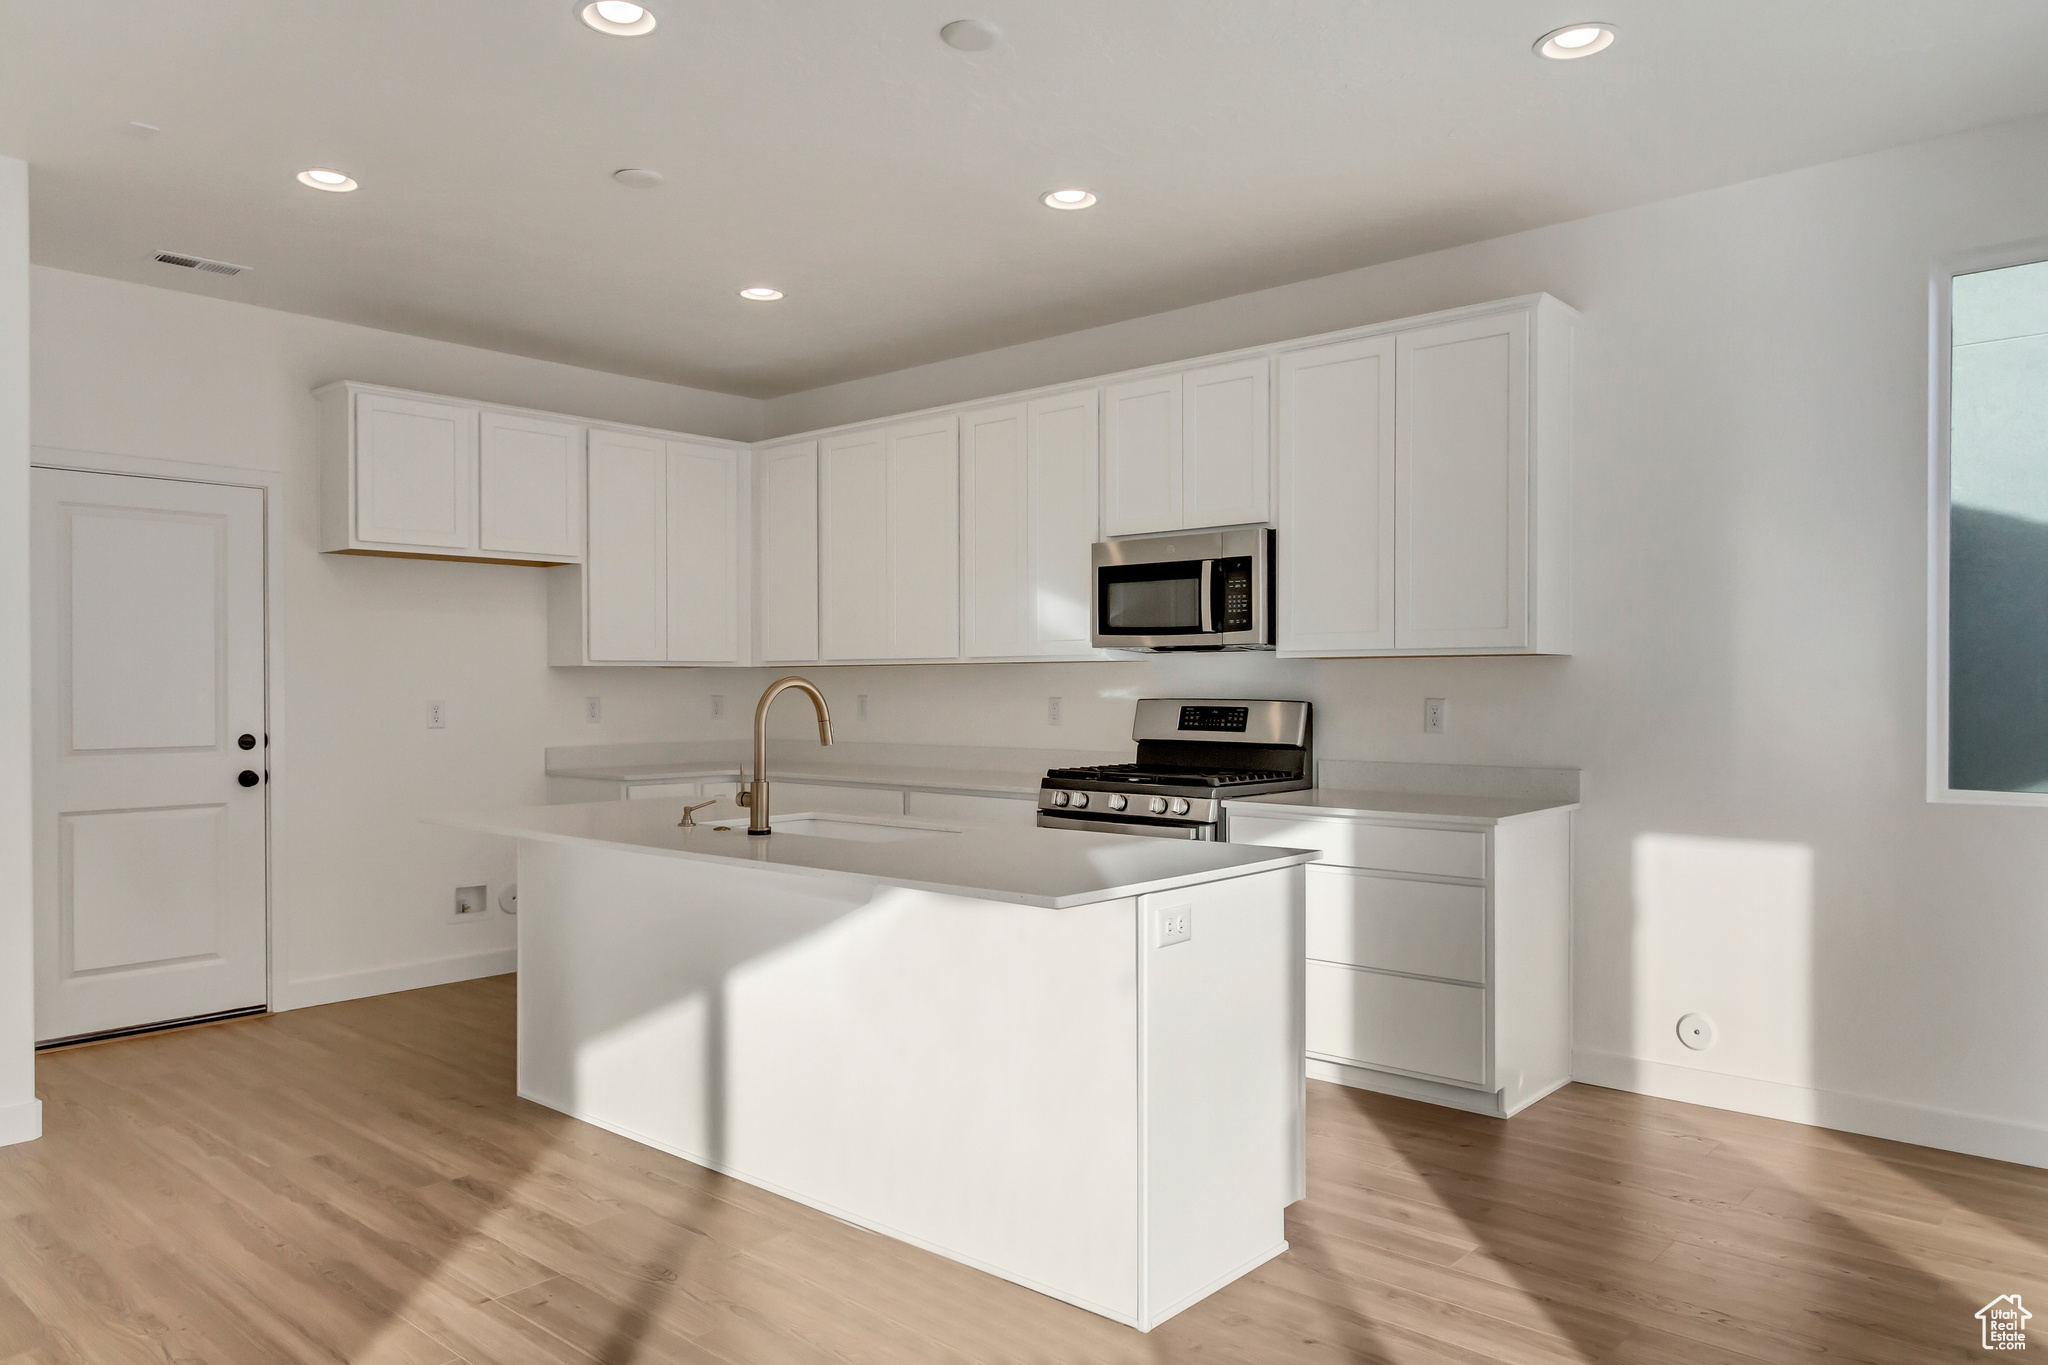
[(358, 1183)]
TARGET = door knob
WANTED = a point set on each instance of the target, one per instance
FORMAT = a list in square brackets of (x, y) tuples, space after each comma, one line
[(246, 742), (249, 778)]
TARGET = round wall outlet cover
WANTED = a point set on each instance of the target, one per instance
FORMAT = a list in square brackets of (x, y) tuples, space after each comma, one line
[(508, 899), (1696, 1031)]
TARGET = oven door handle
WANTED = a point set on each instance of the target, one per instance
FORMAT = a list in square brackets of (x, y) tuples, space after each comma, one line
[(1208, 601), (1047, 820)]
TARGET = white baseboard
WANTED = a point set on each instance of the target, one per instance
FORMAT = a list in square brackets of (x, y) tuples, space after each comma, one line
[(408, 976), (1972, 1134), (21, 1122)]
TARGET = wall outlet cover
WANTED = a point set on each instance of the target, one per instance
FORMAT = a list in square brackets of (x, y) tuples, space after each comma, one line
[(1172, 924), (1433, 715), (1052, 710), (593, 710), (437, 715), (1696, 1031)]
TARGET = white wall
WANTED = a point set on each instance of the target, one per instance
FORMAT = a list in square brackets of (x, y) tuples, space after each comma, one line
[(362, 889), (1748, 697), (20, 1112)]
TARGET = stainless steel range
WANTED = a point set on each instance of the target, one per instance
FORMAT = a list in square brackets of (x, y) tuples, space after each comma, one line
[(1192, 755)]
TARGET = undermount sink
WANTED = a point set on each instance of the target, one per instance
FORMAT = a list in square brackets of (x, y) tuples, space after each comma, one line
[(853, 827)]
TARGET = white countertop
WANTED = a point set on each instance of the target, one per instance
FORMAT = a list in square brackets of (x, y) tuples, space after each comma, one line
[(1055, 869), (1476, 810)]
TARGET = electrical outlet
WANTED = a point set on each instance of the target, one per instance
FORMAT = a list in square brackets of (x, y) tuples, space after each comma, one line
[(1432, 715), (470, 900), (1696, 1031), (1052, 710), (717, 706), (1172, 924), (593, 710), (437, 715), (861, 705)]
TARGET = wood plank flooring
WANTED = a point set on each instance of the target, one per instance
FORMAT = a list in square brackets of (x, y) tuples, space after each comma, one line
[(358, 1183)]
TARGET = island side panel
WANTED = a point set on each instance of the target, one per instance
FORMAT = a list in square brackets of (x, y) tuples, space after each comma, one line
[(1224, 1127), (961, 1074)]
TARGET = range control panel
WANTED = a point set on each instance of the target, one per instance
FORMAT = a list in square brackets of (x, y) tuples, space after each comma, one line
[(1229, 719), (1232, 585)]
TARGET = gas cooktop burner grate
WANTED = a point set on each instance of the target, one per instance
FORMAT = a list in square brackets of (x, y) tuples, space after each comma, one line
[(1204, 777)]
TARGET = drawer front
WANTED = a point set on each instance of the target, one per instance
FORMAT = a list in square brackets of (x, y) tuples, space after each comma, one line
[(971, 810), (1427, 928), (1383, 848), (1369, 1019), (797, 798), (657, 791)]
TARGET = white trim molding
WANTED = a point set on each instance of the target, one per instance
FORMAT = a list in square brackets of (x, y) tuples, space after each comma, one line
[(406, 976), (1972, 1134), (1940, 294), (21, 1122)]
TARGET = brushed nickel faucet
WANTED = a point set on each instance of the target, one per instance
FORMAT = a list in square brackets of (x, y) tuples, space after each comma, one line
[(755, 797)]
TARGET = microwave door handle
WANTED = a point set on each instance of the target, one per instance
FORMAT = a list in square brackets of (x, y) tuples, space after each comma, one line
[(1208, 612)]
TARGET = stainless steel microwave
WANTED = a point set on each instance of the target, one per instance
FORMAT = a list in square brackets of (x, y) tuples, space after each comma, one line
[(1205, 590)]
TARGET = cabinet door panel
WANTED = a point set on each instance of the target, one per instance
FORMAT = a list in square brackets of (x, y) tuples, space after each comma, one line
[(996, 516), (703, 553), (415, 472), (1065, 441), (1141, 459), (787, 573), (1336, 493), (626, 569), (1224, 482), (1462, 487), (853, 579), (530, 486), (924, 540)]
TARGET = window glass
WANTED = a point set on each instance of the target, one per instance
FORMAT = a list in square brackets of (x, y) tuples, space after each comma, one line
[(1998, 530)]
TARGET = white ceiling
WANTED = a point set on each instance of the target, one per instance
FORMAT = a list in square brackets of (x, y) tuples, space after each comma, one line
[(838, 151)]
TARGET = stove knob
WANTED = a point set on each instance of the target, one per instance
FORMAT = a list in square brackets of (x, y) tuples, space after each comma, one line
[(1119, 801), (1180, 805), (1157, 805), (1060, 798), (1080, 800)]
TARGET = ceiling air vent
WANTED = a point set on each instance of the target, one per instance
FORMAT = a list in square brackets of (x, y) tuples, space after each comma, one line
[(199, 263)]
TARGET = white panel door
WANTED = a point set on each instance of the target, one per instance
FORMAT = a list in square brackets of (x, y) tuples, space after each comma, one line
[(924, 540), (529, 486), (853, 546), (703, 553), (1335, 480), (995, 510), (786, 575), (1065, 440), (1141, 456), (1462, 485), (415, 466), (1225, 450), (626, 568), (148, 654)]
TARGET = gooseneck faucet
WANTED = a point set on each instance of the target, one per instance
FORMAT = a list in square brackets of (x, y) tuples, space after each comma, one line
[(755, 797)]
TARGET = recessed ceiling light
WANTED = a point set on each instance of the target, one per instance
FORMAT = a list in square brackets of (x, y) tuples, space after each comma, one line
[(619, 18), (761, 293), (321, 178), (971, 35), (1068, 199), (1575, 40), (638, 177)]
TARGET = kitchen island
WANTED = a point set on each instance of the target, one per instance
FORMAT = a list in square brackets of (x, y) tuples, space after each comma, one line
[(1070, 1060)]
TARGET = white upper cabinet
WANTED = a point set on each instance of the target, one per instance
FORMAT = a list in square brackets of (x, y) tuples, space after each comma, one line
[(1335, 518), (889, 542), (530, 486), (1225, 475), (1028, 475), (705, 516), (1141, 468), (1462, 487), (626, 573), (1424, 482), (415, 473), (786, 579), (435, 478)]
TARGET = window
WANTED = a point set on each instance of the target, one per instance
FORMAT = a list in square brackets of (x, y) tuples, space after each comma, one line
[(1990, 581)]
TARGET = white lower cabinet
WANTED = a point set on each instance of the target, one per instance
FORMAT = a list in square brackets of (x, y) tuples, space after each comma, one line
[(1439, 954), (1014, 812), (796, 798)]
